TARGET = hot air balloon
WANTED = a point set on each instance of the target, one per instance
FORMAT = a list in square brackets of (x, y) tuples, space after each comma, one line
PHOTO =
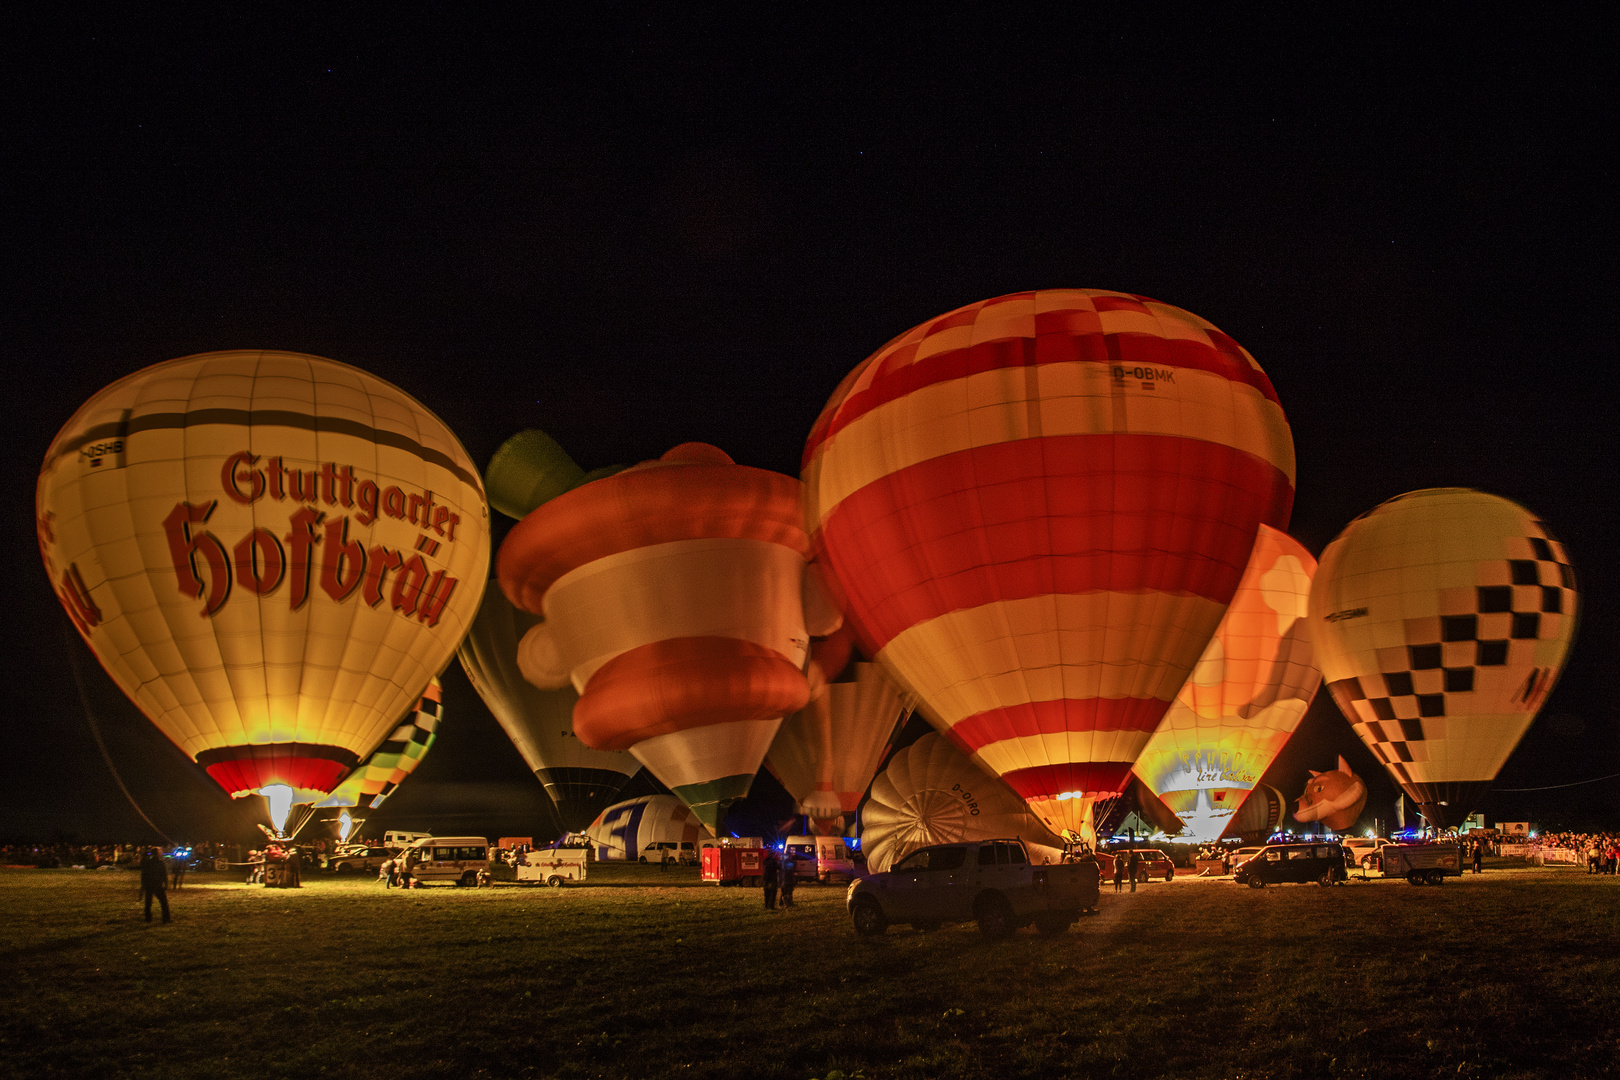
[(1335, 798), (623, 830), (678, 600), (396, 758), (540, 723), (932, 793), (1244, 699), (825, 754), (1259, 817), (1036, 509), (272, 554), (1441, 619)]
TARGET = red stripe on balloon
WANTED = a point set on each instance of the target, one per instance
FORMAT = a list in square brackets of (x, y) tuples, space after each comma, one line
[(250, 774), (1061, 338), (1064, 514), (1094, 778), (1081, 715)]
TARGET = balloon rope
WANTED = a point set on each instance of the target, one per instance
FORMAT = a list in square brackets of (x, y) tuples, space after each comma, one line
[(1555, 787), (90, 718)]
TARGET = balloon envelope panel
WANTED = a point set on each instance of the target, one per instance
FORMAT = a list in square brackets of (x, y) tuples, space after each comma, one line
[(1037, 508), (540, 723), (270, 553), (825, 754), (396, 758), (624, 829), (1245, 697), (932, 793), (1441, 620)]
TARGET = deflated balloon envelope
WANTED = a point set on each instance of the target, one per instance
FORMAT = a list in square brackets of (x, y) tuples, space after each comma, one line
[(623, 830), (932, 793), (270, 553), (540, 723)]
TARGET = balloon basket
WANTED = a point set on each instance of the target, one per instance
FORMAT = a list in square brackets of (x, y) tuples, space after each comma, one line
[(279, 877)]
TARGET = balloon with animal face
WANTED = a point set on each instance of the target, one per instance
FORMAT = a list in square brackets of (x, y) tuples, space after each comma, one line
[(1335, 798)]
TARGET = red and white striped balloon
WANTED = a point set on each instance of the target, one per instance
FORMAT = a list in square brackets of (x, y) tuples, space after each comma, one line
[(1036, 509)]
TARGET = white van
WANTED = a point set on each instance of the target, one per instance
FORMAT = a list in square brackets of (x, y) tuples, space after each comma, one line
[(824, 858), (679, 852), (456, 859)]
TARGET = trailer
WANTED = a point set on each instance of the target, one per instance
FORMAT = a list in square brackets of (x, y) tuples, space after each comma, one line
[(1423, 864), (734, 866), (554, 866)]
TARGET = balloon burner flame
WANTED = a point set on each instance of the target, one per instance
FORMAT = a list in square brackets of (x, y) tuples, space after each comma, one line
[(280, 797)]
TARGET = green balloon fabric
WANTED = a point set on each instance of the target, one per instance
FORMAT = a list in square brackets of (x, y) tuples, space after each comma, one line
[(529, 469)]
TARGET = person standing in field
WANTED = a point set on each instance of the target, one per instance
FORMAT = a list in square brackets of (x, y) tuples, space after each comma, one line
[(1119, 872), (771, 876), (385, 873), (1135, 868), (790, 878), (154, 883), (1479, 856), (178, 873)]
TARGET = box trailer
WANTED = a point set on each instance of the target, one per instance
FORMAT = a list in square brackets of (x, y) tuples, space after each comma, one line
[(1423, 864), (554, 866)]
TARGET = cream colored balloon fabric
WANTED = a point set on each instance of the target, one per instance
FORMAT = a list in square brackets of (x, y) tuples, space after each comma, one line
[(932, 793), (1245, 697), (825, 754), (1441, 620), (271, 553)]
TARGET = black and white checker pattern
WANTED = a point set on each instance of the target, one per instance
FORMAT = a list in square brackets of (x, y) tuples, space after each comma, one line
[(1394, 704)]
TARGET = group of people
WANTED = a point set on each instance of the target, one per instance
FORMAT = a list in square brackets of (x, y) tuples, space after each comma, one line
[(779, 875), (399, 869)]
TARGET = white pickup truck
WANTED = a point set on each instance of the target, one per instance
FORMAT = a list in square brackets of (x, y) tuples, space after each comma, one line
[(991, 882)]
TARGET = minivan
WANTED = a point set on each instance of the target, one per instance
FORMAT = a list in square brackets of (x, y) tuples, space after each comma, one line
[(456, 859), (1322, 862)]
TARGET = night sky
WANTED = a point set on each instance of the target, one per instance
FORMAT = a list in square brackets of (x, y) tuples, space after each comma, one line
[(661, 225)]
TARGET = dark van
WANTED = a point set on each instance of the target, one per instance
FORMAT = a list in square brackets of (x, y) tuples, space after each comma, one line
[(1321, 862)]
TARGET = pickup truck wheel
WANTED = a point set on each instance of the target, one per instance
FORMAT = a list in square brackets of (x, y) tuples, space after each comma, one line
[(994, 916), (869, 918), (1256, 883), (1053, 923)]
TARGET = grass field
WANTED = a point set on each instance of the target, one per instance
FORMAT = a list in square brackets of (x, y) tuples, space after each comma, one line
[(649, 974)]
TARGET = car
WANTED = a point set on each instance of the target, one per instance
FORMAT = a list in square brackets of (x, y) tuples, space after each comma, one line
[(1322, 862), (1153, 862), (991, 882), (356, 860), (681, 853), (1364, 852)]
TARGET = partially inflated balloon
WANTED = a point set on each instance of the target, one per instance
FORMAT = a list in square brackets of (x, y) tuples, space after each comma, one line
[(1244, 699), (1441, 620), (825, 754), (932, 793), (540, 723), (270, 553), (396, 758), (1036, 509), (623, 830), (676, 597)]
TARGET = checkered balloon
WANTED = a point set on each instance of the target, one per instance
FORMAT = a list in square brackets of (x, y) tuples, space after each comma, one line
[(1441, 620)]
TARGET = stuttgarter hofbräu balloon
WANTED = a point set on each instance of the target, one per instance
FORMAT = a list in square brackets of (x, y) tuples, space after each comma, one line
[(932, 793), (271, 554), (540, 723), (1036, 509), (1244, 699), (826, 753), (1441, 620), (678, 600), (396, 758)]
